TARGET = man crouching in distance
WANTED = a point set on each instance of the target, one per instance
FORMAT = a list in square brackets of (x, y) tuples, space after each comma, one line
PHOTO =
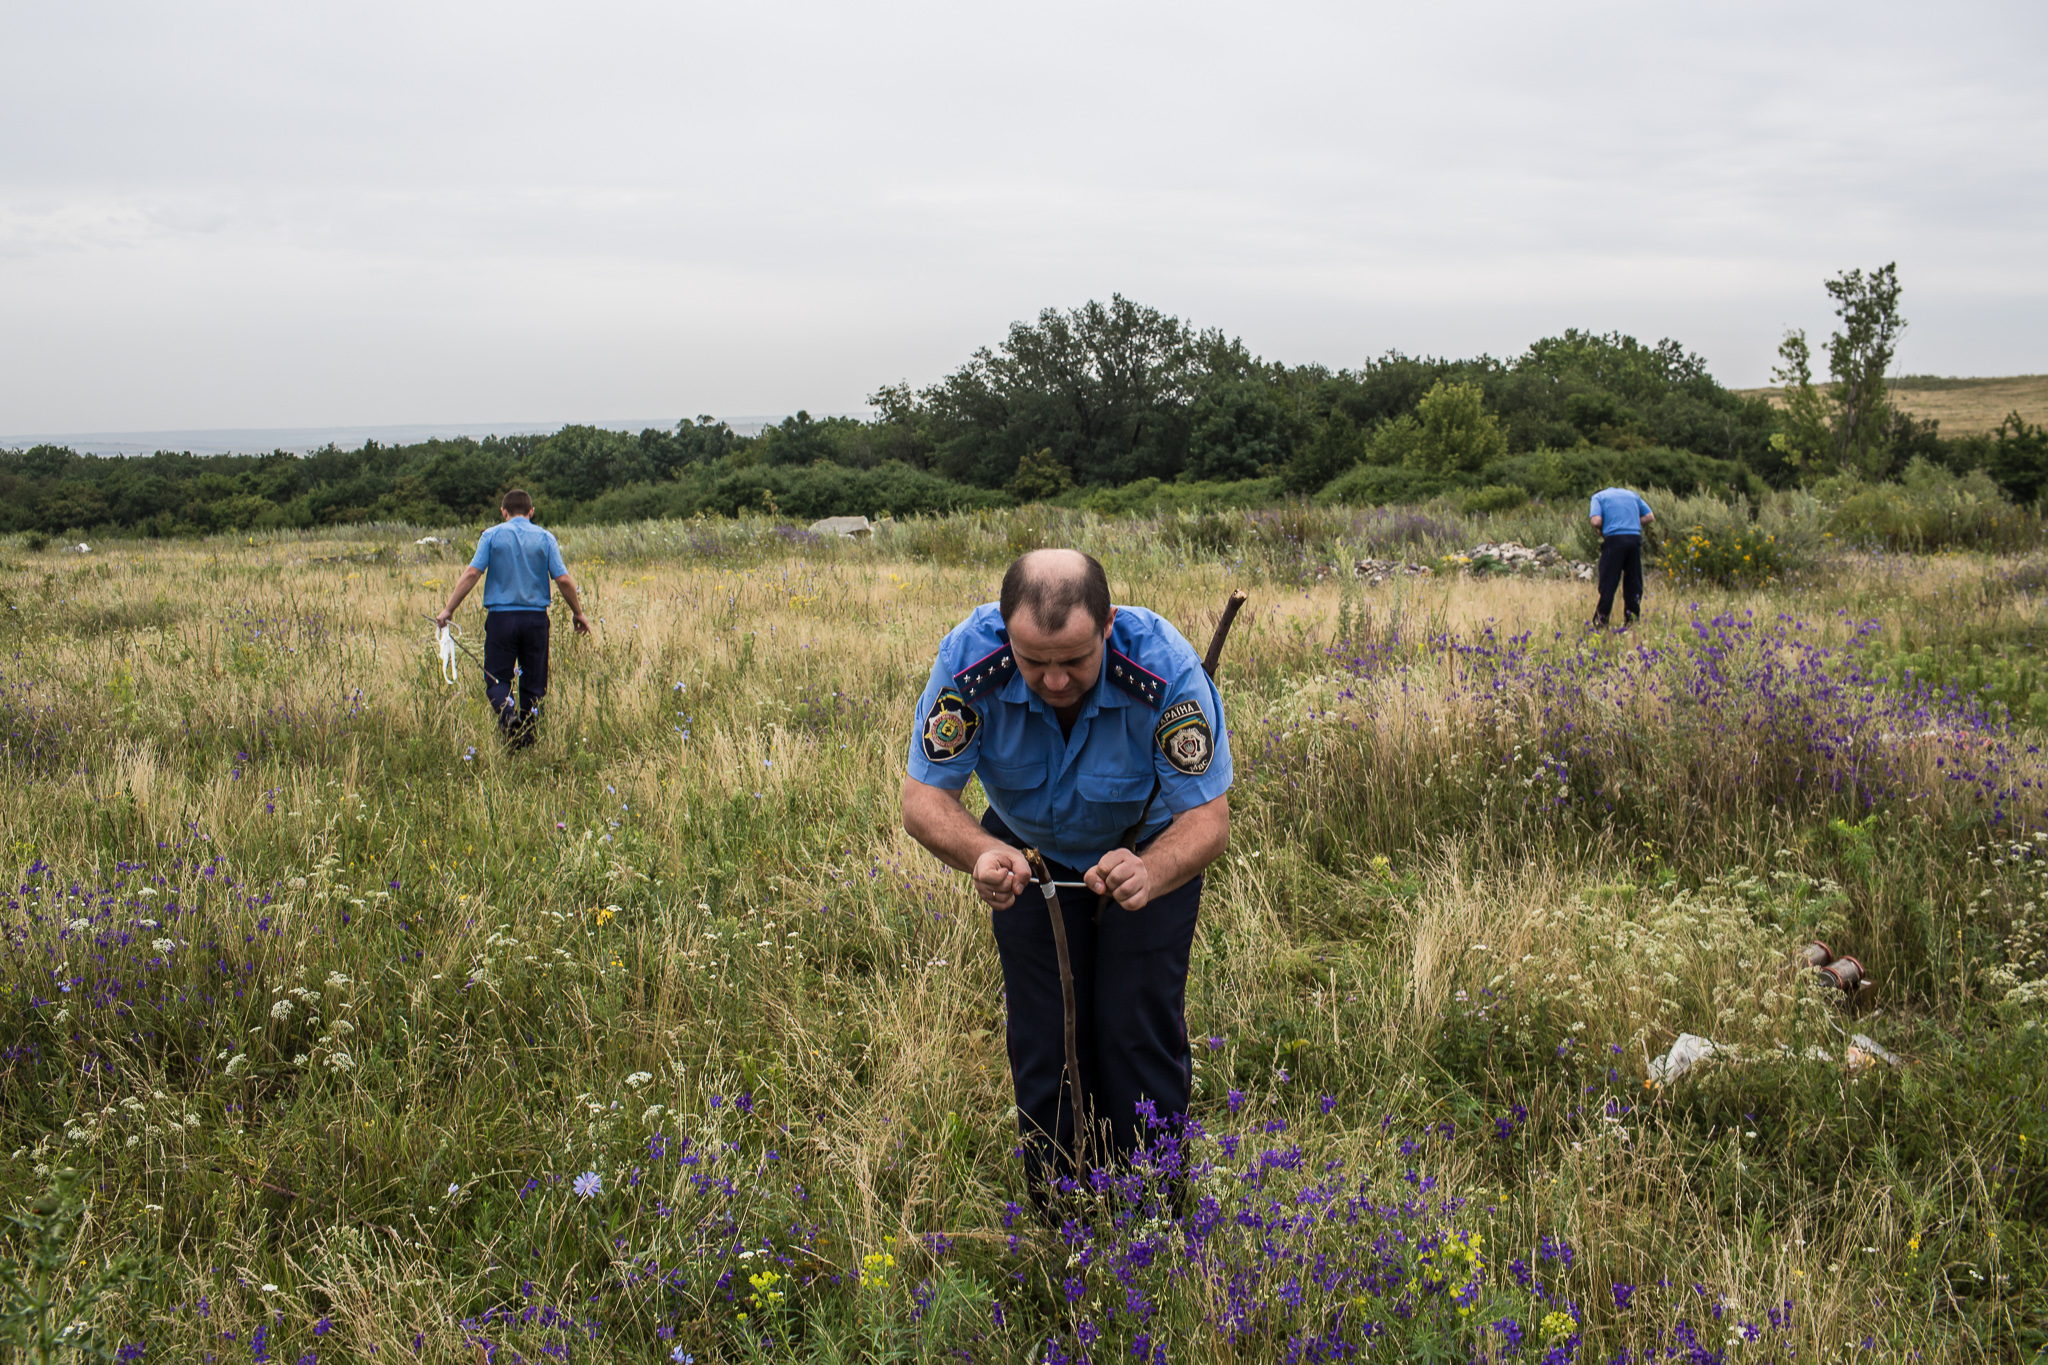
[(1085, 721), (516, 560)]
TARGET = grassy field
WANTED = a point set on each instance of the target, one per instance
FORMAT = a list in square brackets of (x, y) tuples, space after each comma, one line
[(1964, 407), (364, 1040)]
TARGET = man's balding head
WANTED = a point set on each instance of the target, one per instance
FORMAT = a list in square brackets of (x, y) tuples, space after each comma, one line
[(1050, 584)]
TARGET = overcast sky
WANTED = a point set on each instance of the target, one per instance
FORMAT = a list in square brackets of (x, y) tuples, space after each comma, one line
[(272, 214)]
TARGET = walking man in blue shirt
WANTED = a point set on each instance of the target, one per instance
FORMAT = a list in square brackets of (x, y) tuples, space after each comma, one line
[(1619, 515), (520, 560), (1086, 722)]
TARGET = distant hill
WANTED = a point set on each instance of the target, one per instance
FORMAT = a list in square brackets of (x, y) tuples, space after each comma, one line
[(1964, 407)]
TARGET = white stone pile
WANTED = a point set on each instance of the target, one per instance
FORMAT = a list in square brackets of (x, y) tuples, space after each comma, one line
[(1516, 557), (1378, 571)]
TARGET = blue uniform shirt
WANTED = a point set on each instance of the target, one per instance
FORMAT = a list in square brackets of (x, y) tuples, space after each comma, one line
[(518, 560), (1153, 716), (1620, 511)]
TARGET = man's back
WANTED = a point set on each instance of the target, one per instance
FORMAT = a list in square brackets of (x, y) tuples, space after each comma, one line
[(519, 560), (1620, 512)]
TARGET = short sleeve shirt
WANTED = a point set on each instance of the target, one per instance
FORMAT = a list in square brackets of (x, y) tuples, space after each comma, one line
[(1148, 744), (519, 560), (1621, 512)]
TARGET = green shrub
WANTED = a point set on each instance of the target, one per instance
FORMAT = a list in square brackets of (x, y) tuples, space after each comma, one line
[(1930, 508), (1494, 497), (1372, 485), (1729, 557), (1579, 473), (1148, 496), (1704, 540), (1040, 475), (1397, 442), (1203, 532)]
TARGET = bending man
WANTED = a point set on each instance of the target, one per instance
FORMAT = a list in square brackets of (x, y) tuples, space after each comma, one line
[(519, 559), (1085, 721), (1619, 516)]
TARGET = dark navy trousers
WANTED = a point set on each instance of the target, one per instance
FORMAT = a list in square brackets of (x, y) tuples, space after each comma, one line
[(1130, 988), (1621, 565), (516, 638)]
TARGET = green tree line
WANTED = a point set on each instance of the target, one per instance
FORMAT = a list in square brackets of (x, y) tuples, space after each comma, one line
[(1088, 404)]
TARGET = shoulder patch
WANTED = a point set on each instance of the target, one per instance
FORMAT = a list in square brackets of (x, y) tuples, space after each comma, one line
[(1140, 682), (1186, 739), (948, 727), (985, 674)]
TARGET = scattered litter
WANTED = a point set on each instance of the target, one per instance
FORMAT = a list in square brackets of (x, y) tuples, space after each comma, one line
[(1863, 1052), (849, 528), (81, 548), (1843, 973), (446, 642), (1691, 1049), (1687, 1052), (430, 540)]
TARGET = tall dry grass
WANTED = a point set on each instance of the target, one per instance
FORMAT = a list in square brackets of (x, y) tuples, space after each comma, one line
[(696, 886)]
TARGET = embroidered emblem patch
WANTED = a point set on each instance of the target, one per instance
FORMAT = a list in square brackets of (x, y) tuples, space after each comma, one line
[(1186, 739), (948, 727)]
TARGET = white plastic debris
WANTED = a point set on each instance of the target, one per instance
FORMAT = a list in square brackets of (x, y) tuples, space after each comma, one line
[(447, 644), (430, 540), (849, 528), (1687, 1052)]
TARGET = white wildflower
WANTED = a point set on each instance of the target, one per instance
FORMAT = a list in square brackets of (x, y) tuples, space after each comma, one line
[(638, 1079), (281, 1010)]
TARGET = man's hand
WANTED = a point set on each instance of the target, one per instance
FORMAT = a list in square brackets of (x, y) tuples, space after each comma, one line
[(575, 601), (464, 581), (999, 875), (1123, 875)]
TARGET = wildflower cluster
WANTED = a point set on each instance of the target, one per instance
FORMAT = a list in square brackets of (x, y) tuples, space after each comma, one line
[(1728, 558), (876, 1268)]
